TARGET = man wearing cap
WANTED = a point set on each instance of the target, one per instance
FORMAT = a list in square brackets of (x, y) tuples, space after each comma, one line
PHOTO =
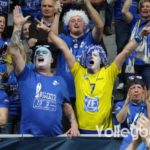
[(94, 84), (42, 94)]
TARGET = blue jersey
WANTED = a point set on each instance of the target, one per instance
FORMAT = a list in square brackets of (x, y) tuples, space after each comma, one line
[(77, 46), (134, 110), (4, 102), (41, 103), (137, 25)]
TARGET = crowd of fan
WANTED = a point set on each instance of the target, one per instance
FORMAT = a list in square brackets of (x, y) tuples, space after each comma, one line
[(54, 73)]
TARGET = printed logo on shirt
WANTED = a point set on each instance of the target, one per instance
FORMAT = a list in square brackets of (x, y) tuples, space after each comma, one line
[(38, 89), (44, 100), (55, 82), (91, 104)]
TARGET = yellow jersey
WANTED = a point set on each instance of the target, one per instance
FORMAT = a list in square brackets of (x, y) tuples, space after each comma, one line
[(94, 96)]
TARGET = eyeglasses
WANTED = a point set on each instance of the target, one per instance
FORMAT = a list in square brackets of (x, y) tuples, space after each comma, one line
[(135, 77)]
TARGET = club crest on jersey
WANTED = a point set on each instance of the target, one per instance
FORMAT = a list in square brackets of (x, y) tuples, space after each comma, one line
[(55, 82), (38, 89)]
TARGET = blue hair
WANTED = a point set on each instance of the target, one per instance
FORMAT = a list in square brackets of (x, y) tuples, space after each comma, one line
[(90, 49)]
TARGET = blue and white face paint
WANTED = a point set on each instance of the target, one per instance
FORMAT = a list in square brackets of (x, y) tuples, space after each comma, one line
[(93, 57), (42, 57)]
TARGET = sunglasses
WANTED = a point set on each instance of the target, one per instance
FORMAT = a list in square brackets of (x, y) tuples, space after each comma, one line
[(135, 77)]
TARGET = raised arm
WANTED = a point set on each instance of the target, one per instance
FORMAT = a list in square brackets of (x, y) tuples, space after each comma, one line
[(55, 23), (125, 11), (122, 115), (97, 31), (64, 48), (15, 47), (131, 46)]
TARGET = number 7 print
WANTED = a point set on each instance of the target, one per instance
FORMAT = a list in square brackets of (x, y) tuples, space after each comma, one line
[(93, 87)]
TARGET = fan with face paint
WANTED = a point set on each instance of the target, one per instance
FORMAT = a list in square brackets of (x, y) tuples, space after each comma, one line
[(43, 57), (93, 57)]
